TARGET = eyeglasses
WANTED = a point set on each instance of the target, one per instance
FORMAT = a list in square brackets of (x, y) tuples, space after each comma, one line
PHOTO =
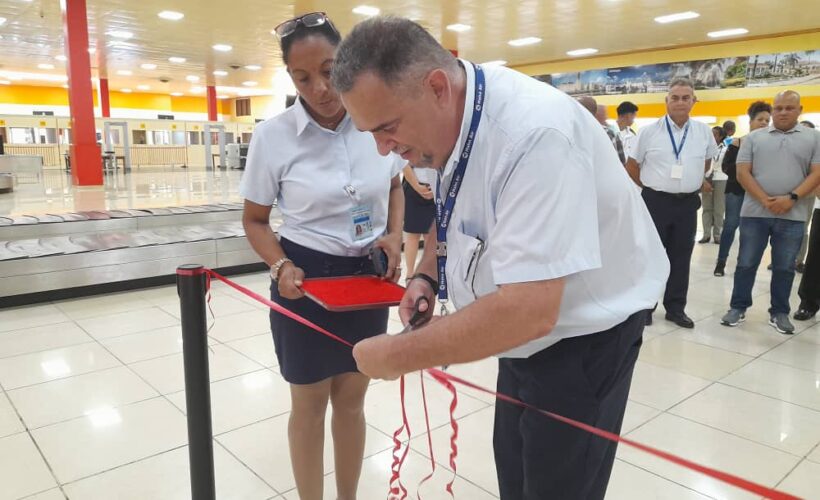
[(312, 20)]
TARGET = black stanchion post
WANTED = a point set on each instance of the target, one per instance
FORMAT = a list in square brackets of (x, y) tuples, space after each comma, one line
[(192, 288)]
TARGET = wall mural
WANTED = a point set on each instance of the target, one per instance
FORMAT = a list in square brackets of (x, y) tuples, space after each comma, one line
[(788, 68)]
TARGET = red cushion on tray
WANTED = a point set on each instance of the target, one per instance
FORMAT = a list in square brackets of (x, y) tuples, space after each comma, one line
[(350, 293)]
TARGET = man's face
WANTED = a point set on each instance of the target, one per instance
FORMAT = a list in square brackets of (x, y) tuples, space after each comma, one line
[(406, 119), (785, 111), (628, 119), (679, 101)]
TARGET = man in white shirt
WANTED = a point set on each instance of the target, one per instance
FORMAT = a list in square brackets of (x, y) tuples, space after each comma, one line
[(627, 112), (549, 255), (669, 160)]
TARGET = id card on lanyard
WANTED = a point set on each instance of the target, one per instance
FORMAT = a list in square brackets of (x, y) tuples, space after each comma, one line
[(444, 208), (677, 168)]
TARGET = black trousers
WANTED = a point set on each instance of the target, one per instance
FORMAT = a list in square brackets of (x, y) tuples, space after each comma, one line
[(676, 219), (585, 378), (809, 290)]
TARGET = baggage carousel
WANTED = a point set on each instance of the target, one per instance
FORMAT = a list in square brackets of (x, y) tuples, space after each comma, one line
[(57, 256)]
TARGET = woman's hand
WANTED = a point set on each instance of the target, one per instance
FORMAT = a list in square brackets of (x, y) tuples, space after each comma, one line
[(424, 190), (290, 281), (391, 244)]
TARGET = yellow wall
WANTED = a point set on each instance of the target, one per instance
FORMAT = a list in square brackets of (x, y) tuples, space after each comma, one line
[(724, 103)]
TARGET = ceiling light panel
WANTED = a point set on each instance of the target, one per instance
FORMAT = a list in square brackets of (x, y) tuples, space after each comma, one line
[(521, 42), (171, 15), (680, 16)]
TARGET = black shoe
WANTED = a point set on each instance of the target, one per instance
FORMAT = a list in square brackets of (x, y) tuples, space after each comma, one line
[(705, 239), (680, 319), (800, 267), (649, 319), (720, 268), (804, 314)]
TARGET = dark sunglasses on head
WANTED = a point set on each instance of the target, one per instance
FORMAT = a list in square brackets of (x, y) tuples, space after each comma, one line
[(312, 20)]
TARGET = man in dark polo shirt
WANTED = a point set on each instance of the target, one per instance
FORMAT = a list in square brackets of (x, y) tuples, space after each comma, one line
[(779, 167)]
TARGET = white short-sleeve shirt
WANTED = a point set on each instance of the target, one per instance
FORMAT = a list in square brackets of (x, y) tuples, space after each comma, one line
[(545, 196), (654, 152), (627, 139), (319, 177)]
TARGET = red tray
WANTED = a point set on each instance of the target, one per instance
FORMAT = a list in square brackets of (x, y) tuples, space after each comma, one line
[(353, 293)]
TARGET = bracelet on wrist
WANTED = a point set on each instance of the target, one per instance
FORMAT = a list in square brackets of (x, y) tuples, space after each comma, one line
[(277, 267), (433, 283)]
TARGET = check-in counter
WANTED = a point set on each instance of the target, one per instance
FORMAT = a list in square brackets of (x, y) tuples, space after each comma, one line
[(25, 168)]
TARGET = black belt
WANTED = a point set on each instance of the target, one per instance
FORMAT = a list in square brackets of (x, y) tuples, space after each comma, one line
[(679, 196)]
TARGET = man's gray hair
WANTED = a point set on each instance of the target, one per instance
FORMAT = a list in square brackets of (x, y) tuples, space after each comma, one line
[(681, 82), (393, 48)]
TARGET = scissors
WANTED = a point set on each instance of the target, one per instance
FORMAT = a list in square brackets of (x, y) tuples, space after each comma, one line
[(419, 317)]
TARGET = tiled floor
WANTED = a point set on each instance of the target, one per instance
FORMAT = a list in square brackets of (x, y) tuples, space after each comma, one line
[(92, 405)]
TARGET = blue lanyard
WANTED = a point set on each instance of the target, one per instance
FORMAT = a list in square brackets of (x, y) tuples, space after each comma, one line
[(444, 209), (677, 149)]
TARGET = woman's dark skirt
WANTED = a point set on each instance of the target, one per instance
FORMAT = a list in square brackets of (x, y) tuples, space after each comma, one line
[(418, 212), (305, 355)]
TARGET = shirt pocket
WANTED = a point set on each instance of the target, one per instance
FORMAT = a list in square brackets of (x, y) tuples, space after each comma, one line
[(468, 271)]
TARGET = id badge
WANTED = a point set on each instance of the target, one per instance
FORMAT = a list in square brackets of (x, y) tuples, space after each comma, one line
[(362, 219), (677, 171)]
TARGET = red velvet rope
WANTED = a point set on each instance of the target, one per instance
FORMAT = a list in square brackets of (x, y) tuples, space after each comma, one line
[(447, 380)]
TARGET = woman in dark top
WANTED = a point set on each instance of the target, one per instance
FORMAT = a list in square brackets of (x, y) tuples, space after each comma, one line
[(759, 115)]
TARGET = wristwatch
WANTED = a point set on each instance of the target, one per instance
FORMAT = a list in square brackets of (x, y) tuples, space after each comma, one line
[(793, 196), (277, 266)]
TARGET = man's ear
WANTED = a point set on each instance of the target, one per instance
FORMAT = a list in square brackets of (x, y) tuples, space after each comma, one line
[(439, 82)]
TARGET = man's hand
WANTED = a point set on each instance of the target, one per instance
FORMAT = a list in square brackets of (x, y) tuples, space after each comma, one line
[(415, 289), (372, 357), (707, 187), (391, 244), (780, 205), (290, 281)]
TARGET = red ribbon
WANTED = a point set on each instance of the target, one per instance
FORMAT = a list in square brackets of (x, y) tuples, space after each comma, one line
[(447, 380)]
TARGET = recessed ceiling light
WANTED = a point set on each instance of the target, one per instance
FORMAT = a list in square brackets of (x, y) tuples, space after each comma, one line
[(171, 15), (144, 87), (459, 27), (221, 47), (197, 90), (192, 78), (125, 72), (92, 50), (581, 52), (680, 16), (223, 97), (366, 10), (2, 21), (5, 82), (253, 67), (127, 91), (250, 83), (65, 85), (19, 75), (45, 66), (729, 32), (60, 57), (520, 42), (220, 72), (497, 62), (125, 35), (178, 60), (177, 94), (148, 66)]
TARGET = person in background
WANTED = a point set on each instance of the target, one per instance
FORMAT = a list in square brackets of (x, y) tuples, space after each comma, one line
[(729, 128), (809, 290), (712, 196), (799, 265), (338, 199), (669, 161), (419, 211), (627, 112), (600, 114), (780, 168), (760, 113)]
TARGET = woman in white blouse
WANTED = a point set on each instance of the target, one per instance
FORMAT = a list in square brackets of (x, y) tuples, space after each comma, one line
[(338, 198)]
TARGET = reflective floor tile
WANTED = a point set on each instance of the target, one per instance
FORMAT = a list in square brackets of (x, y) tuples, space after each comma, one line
[(9, 421), (54, 364), (60, 400), (22, 470), (101, 305), (751, 339), (259, 348), (166, 476), (41, 338), (483, 373), (118, 324), (17, 318), (709, 447), (636, 415), (219, 305), (804, 481), (785, 426), (801, 387), (146, 345), (661, 387), (691, 358), (110, 438), (167, 374), (796, 354), (628, 482), (239, 326)]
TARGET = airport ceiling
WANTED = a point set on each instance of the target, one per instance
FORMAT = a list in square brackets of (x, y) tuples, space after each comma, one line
[(32, 34)]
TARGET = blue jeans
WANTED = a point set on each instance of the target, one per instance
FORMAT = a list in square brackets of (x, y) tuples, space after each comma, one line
[(755, 232), (733, 204)]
